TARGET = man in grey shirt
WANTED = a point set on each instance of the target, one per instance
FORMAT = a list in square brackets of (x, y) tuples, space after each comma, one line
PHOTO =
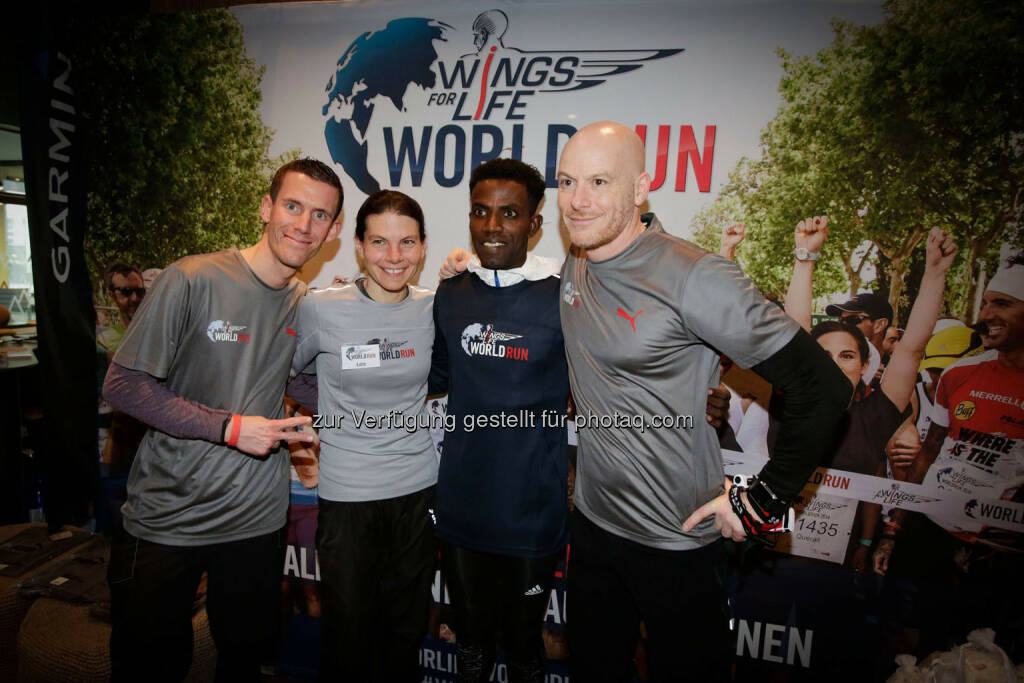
[(205, 363), (645, 317)]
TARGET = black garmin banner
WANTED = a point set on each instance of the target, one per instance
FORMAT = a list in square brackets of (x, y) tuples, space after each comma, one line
[(55, 186)]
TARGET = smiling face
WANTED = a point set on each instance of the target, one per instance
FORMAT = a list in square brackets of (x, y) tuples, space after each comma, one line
[(299, 221), (392, 251), (601, 186), (501, 223), (842, 348), (1003, 315)]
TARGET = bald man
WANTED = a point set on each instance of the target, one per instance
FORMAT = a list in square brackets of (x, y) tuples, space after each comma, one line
[(645, 317)]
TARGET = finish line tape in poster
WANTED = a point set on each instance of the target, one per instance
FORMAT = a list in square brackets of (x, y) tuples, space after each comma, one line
[(948, 506)]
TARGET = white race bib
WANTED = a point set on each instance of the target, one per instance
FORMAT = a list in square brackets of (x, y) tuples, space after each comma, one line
[(823, 527), (357, 356)]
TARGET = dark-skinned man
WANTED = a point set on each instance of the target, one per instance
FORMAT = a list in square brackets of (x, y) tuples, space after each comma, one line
[(501, 493)]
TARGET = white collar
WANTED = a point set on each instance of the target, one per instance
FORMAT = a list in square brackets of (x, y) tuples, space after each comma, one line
[(534, 268)]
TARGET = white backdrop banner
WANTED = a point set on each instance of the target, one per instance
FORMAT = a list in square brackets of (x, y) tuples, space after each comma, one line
[(412, 96)]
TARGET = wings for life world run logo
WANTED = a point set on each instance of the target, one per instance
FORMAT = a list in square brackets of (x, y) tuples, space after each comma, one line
[(483, 340), (951, 478), (492, 82), (224, 331), (570, 295), (392, 350)]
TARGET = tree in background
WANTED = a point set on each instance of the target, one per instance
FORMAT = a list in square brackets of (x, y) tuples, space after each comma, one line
[(771, 210), (944, 90), (891, 129), (177, 152)]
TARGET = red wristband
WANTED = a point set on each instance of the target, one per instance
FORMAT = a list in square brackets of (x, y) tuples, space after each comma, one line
[(236, 428)]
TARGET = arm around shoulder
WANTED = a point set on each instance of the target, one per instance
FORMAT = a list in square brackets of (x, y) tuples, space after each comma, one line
[(437, 381), (308, 333)]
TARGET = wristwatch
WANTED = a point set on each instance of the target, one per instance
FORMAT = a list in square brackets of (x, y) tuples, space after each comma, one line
[(802, 254)]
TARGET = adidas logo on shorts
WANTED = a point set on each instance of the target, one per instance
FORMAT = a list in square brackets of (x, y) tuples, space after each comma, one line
[(536, 590)]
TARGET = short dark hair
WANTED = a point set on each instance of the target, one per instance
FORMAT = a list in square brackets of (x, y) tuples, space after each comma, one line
[(389, 201), (317, 170), (827, 326), (117, 268), (512, 169)]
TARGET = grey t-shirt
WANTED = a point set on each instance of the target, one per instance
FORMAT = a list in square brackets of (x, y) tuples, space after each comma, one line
[(372, 362), (222, 337), (643, 333)]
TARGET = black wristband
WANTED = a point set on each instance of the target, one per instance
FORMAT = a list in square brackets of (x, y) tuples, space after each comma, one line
[(768, 505), (752, 527), (741, 510)]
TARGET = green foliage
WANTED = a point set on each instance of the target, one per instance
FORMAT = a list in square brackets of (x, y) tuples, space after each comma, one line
[(177, 153), (709, 223), (890, 130), (945, 92)]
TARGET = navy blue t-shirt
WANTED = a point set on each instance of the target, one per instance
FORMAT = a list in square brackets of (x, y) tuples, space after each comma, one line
[(500, 354)]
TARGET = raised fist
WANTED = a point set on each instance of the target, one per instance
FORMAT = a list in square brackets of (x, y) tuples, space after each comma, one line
[(811, 233)]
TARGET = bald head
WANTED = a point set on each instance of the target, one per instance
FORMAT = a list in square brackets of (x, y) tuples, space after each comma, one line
[(601, 187), (611, 138)]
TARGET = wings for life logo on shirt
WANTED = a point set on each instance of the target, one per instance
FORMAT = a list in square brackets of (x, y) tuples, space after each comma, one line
[(224, 331), (480, 339), (468, 82), (392, 350)]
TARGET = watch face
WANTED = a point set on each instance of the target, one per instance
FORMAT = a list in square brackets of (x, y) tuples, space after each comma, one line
[(801, 253)]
